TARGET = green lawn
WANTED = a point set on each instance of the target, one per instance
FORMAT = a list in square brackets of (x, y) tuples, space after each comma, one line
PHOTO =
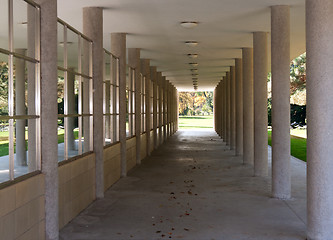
[(188, 122), (297, 146), (4, 146)]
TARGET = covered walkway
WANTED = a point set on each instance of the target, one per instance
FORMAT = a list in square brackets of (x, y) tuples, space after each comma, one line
[(193, 187)]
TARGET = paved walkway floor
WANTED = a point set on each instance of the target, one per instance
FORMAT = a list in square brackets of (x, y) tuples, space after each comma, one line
[(193, 188)]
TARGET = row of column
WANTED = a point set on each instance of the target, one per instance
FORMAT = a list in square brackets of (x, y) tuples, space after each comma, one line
[(246, 94), (166, 122)]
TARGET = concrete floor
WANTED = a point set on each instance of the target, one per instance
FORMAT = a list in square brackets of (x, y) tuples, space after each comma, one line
[(194, 188)]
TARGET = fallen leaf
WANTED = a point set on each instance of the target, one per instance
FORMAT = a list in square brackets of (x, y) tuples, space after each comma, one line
[(158, 231), (189, 192), (186, 229)]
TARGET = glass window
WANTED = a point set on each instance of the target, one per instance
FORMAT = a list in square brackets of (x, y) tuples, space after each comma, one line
[(74, 93), (19, 87)]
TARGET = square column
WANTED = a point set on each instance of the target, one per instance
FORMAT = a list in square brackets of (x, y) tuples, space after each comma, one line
[(228, 109), (281, 177), (224, 108), (93, 28), (319, 88), (248, 106), (260, 65), (118, 49), (160, 116), (145, 70), (165, 113), (134, 62), (232, 108), (49, 115), (239, 107), (153, 75)]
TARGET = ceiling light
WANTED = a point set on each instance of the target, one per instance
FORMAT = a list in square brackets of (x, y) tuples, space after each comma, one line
[(192, 55), (194, 70), (194, 64), (195, 79), (191, 43), (195, 74), (189, 24)]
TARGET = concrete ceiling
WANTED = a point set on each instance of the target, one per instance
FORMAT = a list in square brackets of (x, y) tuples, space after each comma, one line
[(225, 26)]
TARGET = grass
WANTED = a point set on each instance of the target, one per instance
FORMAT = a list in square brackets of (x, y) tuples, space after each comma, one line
[(4, 145), (188, 122), (297, 145)]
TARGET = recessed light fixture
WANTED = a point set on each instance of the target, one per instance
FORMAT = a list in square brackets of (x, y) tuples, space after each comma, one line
[(194, 64), (191, 43), (194, 70), (189, 24), (192, 55), (195, 79), (194, 74)]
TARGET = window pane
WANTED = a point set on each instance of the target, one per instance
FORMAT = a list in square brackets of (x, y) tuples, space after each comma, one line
[(61, 45), (4, 73), (4, 24), (20, 24), (72, 50), (4, 159)]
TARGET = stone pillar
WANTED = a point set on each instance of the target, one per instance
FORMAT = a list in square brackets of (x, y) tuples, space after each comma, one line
[(319, 50), (165, 108), (239, 107), (145, 70), (232, 108), (248, 106), (93, 28), (280, 45), (118, 48), (260, 103), (71, 110), (228, 110), (134, 62), (224, 108), (168, 109), (20, 109), (148, 110), (49, 115), (160, 116), (31, 75), (153, 75)]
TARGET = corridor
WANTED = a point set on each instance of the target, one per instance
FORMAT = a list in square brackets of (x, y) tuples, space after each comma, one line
[(193, 187)]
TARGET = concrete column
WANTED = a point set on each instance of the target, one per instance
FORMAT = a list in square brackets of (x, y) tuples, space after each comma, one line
[(221, 107), (160, 116), (20, 109), (93, 28), (154, 80), (319, 50), (145, 70), (228, 110), (168, 109), (148, 111), (165, 108), (31, 75), (224, 109), (134, 62), (239, 107), (260, 103), (49, 115), (248, 106), (232, 108), (280, 45), (118, 48)]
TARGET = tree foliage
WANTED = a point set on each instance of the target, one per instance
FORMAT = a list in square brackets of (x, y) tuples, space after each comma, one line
[(298, 74), (195, 103)]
